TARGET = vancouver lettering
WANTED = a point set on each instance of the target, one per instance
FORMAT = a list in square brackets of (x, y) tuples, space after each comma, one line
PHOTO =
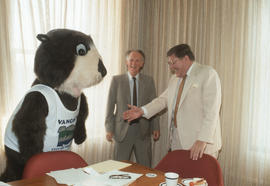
[(66, 121)]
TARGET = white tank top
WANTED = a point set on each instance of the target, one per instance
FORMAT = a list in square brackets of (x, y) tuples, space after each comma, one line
[(60, 122)]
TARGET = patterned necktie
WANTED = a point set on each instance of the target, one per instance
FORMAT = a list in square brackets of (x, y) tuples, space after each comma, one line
[(181, 87)]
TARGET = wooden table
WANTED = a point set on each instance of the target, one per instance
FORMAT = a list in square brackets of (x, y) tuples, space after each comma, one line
[(144, 180), (135, 168)]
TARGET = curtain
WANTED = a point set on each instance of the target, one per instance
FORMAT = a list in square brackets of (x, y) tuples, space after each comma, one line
[(5, 69), (233, 37), (230, 35)]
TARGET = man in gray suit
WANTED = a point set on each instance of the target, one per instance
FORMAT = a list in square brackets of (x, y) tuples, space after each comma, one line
[(136, 89)]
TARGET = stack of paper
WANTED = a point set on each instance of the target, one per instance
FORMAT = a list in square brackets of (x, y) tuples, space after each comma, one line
[(72, 177), (97, 174)]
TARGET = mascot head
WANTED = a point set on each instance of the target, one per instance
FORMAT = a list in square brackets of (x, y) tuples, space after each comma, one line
[(68, 61)]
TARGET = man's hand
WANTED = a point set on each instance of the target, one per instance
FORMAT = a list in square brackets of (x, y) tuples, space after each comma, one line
[(197, 149), (133, 113), (156, 135), (109, 136)]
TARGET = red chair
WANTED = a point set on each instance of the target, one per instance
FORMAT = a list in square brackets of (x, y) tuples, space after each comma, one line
[(45, 162), (206, 167)]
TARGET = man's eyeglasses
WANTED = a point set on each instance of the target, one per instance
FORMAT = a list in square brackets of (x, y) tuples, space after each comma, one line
[(120, 176), (171, 62)]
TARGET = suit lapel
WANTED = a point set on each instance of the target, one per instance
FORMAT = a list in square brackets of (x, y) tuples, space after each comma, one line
[(141, 90), (126, 89), (189, 82), (173, 91)]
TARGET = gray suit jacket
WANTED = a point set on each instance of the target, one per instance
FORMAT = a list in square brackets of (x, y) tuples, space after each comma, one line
[(119, 98)]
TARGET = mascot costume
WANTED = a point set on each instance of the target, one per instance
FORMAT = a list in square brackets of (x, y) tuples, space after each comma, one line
[(54, 110)]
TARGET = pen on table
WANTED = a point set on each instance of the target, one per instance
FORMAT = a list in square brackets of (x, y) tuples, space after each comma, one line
[(86, 172)]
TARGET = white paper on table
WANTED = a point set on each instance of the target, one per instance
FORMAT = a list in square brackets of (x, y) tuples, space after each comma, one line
[(73, 177), (109, 165), (3, 184), (89, 176), (89, 170)]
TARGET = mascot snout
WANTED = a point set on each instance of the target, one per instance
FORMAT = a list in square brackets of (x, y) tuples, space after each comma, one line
[(101, 68)]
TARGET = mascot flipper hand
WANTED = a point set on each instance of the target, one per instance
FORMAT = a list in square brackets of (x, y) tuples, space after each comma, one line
[(54, 110)]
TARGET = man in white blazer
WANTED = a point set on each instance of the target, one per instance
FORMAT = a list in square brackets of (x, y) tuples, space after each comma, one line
[(197, 125)]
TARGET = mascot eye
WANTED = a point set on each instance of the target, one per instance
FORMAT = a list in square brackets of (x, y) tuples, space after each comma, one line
[(81, 49)]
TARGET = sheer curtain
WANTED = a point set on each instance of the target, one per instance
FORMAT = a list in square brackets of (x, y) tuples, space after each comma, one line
[(22, 21), (5, 72), (254, 135)]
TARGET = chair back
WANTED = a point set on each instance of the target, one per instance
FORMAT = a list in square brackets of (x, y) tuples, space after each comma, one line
[(206, 167), (45, 162)]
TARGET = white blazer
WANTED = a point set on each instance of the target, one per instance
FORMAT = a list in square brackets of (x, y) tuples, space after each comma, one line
[(198, 112)]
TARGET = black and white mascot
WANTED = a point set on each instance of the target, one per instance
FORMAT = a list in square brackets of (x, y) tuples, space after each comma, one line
[(54, 110)]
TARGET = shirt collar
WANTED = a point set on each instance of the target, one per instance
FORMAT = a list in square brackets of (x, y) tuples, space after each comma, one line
[(130, 77), (189, 70)]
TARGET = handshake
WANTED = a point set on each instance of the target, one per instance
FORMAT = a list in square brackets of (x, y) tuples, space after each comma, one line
[(133, 113), (130, 115)]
